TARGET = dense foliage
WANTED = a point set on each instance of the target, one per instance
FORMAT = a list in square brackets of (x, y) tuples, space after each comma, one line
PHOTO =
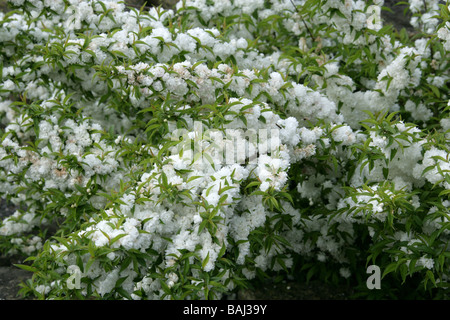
[(179, 154)]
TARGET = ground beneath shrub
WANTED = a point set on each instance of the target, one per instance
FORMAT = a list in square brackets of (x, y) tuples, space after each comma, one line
[(10, 276), (290, 290), (10, 279)]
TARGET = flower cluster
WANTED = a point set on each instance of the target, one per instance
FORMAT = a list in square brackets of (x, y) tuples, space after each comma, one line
[(180, 153)]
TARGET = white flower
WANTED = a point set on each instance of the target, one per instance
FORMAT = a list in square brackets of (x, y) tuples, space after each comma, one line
[(425, 262), (374, 21), (344, 134), (344, 272)]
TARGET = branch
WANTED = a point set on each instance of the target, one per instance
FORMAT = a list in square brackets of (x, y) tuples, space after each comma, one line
[(303, 20)]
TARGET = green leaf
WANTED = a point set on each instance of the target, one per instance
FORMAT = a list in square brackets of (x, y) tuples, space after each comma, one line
[(429, 276), (111, 242), (124, 293), (26, 268), (192, 178), (165, 287), (225, 189), (205, 261), (390, 268), (253, 184), (435, 90)]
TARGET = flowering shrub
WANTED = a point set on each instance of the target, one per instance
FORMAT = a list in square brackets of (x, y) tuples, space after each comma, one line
[(181, 153)]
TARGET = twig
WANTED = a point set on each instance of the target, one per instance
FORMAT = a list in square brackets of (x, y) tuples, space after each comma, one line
[(304, 23)]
